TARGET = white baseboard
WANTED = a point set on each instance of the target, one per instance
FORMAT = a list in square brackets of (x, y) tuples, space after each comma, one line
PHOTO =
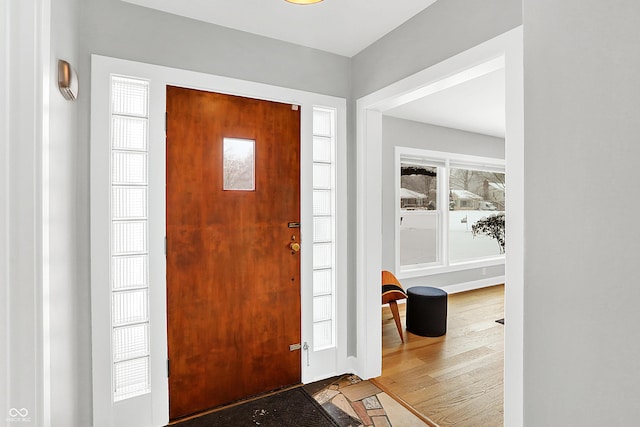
[(466, 286), (476, 284)]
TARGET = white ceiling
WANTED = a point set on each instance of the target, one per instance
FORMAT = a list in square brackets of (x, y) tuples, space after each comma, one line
[(476, 105), (344, 27)]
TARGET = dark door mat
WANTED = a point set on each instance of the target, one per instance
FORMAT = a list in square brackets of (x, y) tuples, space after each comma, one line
[(501, 321), (293, 407)]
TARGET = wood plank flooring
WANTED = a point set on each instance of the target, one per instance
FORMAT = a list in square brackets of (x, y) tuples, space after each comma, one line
[(457, 379)]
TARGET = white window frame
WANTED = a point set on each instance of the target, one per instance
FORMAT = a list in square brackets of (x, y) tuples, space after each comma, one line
[(153, 409), (443, 161)]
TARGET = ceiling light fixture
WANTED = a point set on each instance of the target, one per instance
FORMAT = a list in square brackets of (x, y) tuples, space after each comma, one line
[(304, 1)]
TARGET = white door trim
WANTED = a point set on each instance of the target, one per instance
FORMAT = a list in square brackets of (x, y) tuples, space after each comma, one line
[(25, 50), (154, 411), (505, 48)]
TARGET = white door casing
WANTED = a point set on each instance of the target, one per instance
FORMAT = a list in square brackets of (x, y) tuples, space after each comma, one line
[(152, 409), (506, 48)]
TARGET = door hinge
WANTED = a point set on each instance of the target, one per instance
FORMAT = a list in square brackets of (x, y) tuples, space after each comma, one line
[(168, 369), (294, 347)]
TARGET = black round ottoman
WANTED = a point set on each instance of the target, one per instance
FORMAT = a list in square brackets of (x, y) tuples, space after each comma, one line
[(426, 311)]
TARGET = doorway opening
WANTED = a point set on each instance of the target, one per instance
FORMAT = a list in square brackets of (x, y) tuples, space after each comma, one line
[(506, 48)]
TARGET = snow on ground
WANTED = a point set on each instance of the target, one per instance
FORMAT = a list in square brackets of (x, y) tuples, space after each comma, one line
[(418, 238)]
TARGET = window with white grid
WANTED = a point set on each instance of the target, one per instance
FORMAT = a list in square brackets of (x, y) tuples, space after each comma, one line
[(129, 240), (323, 228)]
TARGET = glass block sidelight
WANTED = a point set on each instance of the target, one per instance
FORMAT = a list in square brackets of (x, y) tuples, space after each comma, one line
[(323, 334), (130, 307), (323, 122), (129, 133), (130, 342), (322, 175), (131, 378), (322, 202), (322, 282), (322, 255), (128, 203), (323, 228), (322, 308), (129, 97), (129, 272), (129, 168), (322, 149), (129, 237)]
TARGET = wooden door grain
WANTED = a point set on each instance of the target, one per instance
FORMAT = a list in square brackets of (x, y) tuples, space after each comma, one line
[(233, 283)]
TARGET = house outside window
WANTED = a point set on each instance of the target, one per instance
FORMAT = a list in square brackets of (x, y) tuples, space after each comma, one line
[(441, 197)]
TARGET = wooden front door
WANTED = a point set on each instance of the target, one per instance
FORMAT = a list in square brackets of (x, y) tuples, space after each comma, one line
[(233, 279)]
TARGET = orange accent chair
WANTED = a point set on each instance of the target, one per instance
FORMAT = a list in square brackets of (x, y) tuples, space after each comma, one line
[(392, 291)]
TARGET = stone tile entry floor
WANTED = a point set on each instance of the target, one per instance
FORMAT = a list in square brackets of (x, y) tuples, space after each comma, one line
[(353, 402)]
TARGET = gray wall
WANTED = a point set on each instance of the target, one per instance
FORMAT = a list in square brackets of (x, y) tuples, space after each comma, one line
[(444, 29), (119, 29), (582, 99), (122, 30), (581, 91), (66, 407), (406, 133)]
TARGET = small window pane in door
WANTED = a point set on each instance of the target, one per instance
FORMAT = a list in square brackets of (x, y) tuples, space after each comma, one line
[(238, 164)]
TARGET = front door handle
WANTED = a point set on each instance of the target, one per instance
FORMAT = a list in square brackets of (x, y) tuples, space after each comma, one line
[(295, 246)]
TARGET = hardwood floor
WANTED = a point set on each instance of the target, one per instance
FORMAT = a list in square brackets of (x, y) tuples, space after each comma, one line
[(456, 379)]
